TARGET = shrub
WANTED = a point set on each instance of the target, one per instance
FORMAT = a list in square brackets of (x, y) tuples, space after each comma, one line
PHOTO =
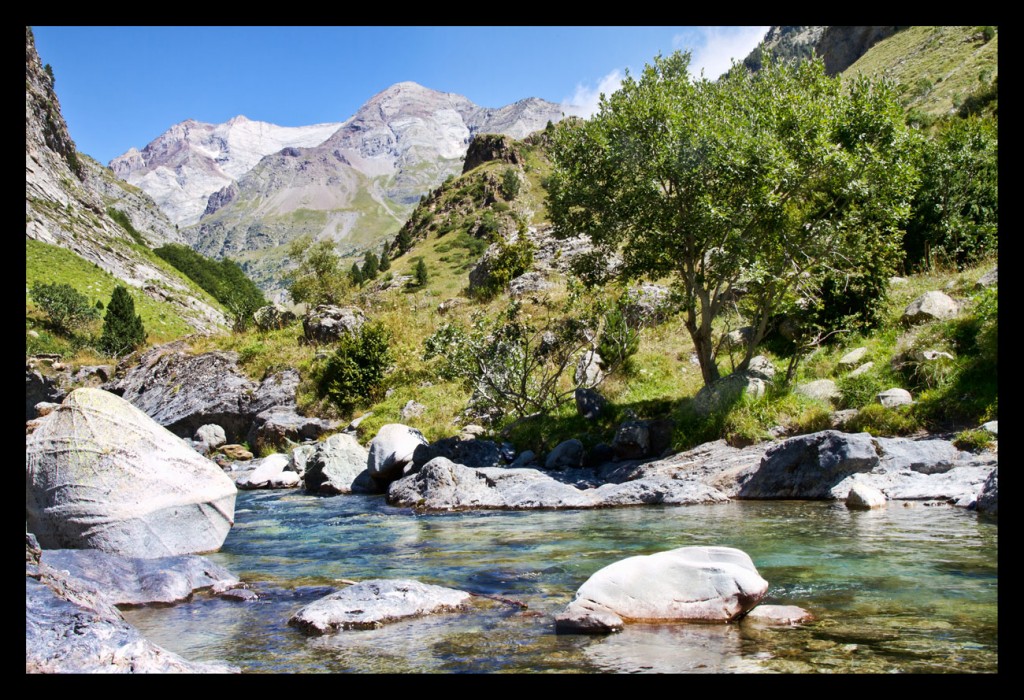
[(122, 328), (510, 184), (619, 341), (65, 308), (421, 274), (878, 420), (972, 440), (860, 390), (356, 371), (509, 261)]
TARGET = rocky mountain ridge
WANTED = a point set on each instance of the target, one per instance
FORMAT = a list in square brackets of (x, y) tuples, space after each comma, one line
[(838, 46)]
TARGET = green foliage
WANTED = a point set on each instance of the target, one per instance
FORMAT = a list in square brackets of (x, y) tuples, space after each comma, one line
[(404, 240), (355, 275), (860, 390), (385, 261), (66, 309), (488, 226), (123, 331), (99, 305), (124, 222), (224, 280), (421, 275), (49, 71), (988, 33), (766, 181), (619, 341), (317, 277), (972, 440), (510, 184), (956, 210), (369, 266), (880, 421), (509, 261), (355, 373)]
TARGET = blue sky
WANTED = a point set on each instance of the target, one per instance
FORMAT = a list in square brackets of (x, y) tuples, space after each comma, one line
[(123, 86)]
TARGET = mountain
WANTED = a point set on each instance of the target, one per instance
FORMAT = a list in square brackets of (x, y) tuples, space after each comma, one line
[(838, 46), (182, 167), (80, 217), (357, 187)]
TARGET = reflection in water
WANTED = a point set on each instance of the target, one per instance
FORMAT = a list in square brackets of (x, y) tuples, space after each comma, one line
[(893, 590)]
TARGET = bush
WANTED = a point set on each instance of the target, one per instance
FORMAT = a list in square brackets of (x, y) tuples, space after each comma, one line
[(510, 184), (65, 308), (356, 371), (860, 390), (619, 341), (122, 328), (421, 274), (878, 420), (510, 261), (972, 440)]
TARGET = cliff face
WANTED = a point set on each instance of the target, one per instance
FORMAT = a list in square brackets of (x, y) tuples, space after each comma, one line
[(839, 47), (67, 197)]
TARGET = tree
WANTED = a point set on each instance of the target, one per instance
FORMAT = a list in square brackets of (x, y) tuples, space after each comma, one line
[(66, 309), (354, 275), (421, 273), (510, 184), (385, 261), (404, 240), (356, 370), (122, 328), (369, 265), (764, 181), (317, 277)]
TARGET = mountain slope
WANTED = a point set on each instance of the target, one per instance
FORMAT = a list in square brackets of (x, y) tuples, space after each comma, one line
[(68, 200)]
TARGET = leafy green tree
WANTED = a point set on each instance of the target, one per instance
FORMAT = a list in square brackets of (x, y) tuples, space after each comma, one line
[(956, 210), (66, 309), (356, 371), (317, 277), (421, 274), (369, 265), (122, 328), (763, 180)]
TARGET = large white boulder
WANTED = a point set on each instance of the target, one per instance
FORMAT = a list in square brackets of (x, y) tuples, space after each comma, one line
[(391, 449), (101, 474), (701, 584)]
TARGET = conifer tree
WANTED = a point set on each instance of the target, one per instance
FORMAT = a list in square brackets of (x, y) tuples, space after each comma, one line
[(385, 262), (122, 328), (421, 274), (369, 265)]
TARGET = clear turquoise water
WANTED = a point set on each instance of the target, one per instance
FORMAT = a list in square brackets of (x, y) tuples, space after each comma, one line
[(903, 589)]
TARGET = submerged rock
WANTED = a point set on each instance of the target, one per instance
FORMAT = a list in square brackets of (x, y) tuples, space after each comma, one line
[(372, 604), (789, 615), (694, 584)]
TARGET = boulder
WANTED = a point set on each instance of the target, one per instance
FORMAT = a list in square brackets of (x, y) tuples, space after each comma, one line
[(788, 615), (863, 369), (865, 497), (582, 621), (529, 283), (853, 357), (237, 453), (930, 306), (325, 323), (448, 304), (891, 398), (468, 452), (647, 305), (102, 475), (761, 368), (738, 338), (599, 454), (71, 627), (588, 370), (272, 317), (45, 408), (39, 388), (523, 458), (809, 466), (989, 279), (391, 449), (336, 465), (589, 403), (567, 454), (269, 473), (138, 581), (299, 457), (279, 426), (839, 419), (821, 389), (411, 409), (211, 435), (632, 440), (727, 390), (992, 426), (374, 603), (932, 356), (922, 456), (691, 584), (988, 499)]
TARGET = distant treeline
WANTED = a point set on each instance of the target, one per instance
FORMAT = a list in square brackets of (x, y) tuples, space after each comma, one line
[(224, 280)]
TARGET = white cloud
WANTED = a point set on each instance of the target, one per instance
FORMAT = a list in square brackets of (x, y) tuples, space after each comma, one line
[(715, 48), (584, 101)]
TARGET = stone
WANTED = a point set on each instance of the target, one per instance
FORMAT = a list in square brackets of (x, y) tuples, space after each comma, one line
[(529, 283), (212, 435), (647, 305), (863, 369), (412, 409), (237, 453), (272, 317), (326, 323), (45, 408), (567, 454), (897, 281), (100, 474), (840, 418), (269, 473), (335, 465), (738, 338), (71, 627), (244, 595), (989, 279), (582, 621), (470, 452), (761, 368), (279, 426), (588, 370), (853, 357), (374, 603), (865, 497), (599, 454), (92, 375), (140, 581), (299, 457), (891, 398), (809, 466), (922, 456), (930, 306), (391, 449), (691, 584), (821, 389), (726, 391), (589, 403), (632, 440), (448, 304), (522, 459), (787, 615), (38, 389), (992, 426), (988, 499)]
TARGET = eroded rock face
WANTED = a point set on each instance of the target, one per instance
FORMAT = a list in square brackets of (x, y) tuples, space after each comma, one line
[(372, 604), (272, 317), (100, 474), (696, 584)]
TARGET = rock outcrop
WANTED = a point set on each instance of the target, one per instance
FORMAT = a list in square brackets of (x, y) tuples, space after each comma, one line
[(100, 474), (930, 306), (325, 323), (372, 604), (336, 465)]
